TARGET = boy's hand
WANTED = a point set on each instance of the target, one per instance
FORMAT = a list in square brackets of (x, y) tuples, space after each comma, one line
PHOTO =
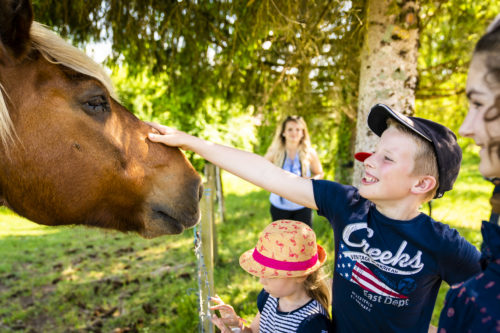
[(169, 136), (228, 315)]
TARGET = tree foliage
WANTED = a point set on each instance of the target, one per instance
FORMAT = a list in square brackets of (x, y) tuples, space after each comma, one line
[(259, 58), (449, 31), (213, 66)]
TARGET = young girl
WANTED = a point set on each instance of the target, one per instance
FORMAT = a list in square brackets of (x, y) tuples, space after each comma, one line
[(474, 305), (295, 295), (291, 150)]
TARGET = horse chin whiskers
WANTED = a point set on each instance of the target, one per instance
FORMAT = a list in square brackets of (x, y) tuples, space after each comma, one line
[(161, 224), (161, 220)]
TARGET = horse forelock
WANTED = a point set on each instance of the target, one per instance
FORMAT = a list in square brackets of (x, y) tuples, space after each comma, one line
[(56, 50)]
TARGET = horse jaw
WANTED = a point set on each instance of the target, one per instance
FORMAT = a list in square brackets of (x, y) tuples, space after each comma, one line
[(3, 202)]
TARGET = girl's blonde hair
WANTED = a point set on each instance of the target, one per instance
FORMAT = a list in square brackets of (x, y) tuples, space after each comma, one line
[(318, 287), (277, 150)]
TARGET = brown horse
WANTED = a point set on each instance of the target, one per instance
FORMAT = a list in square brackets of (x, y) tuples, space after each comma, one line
[(69, 152)]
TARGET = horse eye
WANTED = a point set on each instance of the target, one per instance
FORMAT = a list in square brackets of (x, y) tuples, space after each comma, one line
[(96, 104)]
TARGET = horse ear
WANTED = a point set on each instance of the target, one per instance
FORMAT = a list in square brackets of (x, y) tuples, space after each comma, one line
[(16, 17)]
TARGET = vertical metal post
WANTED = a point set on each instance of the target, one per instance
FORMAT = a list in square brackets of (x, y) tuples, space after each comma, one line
[(207, 239)]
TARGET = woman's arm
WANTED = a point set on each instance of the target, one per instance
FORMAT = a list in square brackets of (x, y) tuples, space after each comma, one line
[(268, 156), (316, 168), (251, 167)]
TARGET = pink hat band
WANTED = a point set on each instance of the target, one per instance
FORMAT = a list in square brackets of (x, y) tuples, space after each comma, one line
[(284, 265)]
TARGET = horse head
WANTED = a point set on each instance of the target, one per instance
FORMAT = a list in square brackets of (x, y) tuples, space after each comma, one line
[(70, 153)]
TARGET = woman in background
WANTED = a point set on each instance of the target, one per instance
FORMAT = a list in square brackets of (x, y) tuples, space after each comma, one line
[(291, 150)]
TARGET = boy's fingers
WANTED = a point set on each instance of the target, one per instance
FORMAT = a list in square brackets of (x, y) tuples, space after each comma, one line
[(155, 137), (155, 126)]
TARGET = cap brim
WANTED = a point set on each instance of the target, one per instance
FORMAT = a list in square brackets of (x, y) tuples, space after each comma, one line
[(377, 120), (248, 263), (362, 156)]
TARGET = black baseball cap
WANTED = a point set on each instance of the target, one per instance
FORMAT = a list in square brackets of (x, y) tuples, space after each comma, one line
[(443, 140)]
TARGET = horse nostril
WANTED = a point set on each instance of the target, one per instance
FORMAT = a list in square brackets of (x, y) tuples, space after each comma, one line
[(200, 192)]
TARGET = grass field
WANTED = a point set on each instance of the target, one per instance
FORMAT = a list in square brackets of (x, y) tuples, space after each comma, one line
[(76, 279)]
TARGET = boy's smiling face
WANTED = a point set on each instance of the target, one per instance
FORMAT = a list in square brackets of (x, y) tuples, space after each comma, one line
[(388, 171)]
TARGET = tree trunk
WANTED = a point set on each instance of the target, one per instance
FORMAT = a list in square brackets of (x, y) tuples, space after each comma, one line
[(388, 66)]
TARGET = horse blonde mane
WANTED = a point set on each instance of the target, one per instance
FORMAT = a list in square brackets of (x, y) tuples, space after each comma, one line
[(57, 51)]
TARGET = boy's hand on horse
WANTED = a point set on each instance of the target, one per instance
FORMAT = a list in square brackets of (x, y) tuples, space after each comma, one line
[(170, 136)]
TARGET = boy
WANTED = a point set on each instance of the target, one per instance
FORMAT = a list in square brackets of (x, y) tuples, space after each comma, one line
[(390, 258)]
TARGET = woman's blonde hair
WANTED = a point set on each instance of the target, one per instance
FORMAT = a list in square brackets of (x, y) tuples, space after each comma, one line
[(277, 151), (318, 287)]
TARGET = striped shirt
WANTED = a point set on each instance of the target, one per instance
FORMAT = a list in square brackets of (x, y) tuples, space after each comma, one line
[(310, 318)]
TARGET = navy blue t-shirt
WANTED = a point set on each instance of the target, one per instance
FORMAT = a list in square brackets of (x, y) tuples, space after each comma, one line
[(388, 272)]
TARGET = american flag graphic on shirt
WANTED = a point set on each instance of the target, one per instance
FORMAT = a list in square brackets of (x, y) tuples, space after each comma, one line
[(360, 274)]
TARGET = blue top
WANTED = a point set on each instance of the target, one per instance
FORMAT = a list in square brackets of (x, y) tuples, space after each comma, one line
[(294, 167), (309, 318), (388, 272), (474, 305)]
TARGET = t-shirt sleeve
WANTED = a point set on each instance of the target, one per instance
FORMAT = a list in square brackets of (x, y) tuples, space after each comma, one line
[(329, 196), (460, 258), (261, 300), (316, 323)]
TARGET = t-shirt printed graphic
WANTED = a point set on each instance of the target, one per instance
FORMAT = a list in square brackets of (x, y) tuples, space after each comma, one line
[(388, 272), (358, 273)]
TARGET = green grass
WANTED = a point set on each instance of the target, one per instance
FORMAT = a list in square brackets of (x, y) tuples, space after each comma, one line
[(76, 279)]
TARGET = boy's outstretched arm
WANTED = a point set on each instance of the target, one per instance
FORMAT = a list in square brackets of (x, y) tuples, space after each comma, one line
[(251, 167)]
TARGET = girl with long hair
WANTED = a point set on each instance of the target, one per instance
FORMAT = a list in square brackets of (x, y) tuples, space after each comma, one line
[(474, 305)]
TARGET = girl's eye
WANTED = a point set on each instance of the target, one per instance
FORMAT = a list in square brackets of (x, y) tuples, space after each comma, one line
[(388, 159)]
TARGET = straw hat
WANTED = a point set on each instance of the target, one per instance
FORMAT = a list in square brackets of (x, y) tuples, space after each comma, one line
[(285, 248)]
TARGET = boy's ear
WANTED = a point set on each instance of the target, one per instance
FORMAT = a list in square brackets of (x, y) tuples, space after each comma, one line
[(424, 185)]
